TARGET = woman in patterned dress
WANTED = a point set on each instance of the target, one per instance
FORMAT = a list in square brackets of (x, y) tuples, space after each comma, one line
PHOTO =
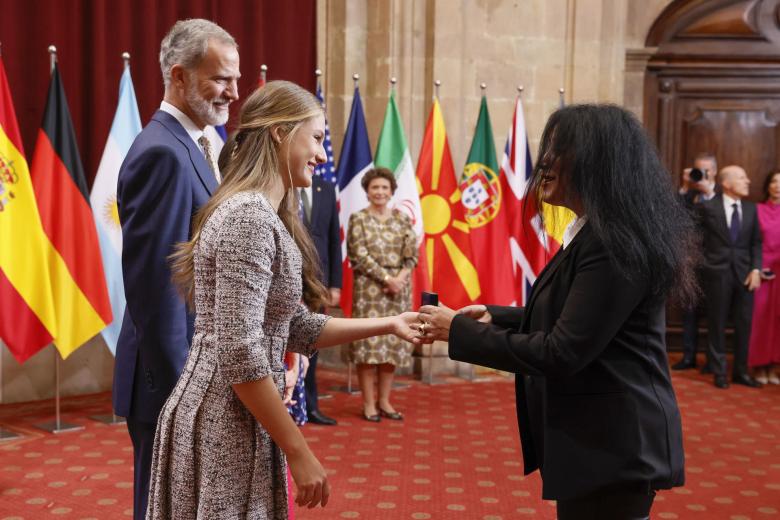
[(224, 437), (382, 249)]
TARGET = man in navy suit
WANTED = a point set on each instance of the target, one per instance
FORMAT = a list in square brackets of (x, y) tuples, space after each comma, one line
[(322, 220), (732, 260), (169, 172)]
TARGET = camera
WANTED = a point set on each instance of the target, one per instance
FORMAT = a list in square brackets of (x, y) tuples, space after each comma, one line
[(697, 175)]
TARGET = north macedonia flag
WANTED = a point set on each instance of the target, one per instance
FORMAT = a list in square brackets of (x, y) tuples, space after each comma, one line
[(446, 246)]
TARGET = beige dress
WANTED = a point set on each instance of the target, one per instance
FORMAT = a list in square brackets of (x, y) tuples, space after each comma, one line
[(212, 459), (377, 249)]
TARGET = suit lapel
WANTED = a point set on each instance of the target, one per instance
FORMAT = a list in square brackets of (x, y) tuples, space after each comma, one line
[(720, 217), (197, 158)]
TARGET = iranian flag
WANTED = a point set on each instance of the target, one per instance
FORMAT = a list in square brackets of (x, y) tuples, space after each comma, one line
[(392, 153)]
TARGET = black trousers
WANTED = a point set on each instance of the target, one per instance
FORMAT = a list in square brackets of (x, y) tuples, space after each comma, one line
[(726, 295), (142, 435), (618, 506), (690, 334), (310, 385)]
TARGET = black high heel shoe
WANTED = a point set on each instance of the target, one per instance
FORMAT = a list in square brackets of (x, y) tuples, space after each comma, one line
[(395, 416), (371, 418)]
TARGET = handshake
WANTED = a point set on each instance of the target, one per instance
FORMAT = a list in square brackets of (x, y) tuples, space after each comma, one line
[(432, 321)]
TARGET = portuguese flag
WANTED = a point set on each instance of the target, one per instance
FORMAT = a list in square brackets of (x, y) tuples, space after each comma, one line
[(485, 207), (451, 272), (78, 285), (27, 318)]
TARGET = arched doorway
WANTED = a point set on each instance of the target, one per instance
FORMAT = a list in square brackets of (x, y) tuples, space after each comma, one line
[(714, 84)]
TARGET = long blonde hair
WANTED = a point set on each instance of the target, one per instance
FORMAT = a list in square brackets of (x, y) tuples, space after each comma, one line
[(253, 165)]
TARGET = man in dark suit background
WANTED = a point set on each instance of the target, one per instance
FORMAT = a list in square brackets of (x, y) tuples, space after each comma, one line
[(322, 220), (693, 193), (169, 172), (731, 272)]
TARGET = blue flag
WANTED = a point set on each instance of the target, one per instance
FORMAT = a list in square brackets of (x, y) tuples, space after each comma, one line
[(124, 129), (327, 169)]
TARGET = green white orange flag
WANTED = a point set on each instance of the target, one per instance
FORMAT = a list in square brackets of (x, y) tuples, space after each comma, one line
[(450, 269), (27, 318), (485, 205)]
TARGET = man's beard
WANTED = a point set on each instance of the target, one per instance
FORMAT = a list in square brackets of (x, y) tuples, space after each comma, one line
[(203, 108)]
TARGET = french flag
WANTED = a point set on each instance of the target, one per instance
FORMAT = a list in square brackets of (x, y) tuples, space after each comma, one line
[(355, 160)]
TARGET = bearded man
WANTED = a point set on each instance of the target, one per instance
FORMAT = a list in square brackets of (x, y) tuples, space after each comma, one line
[(168, 173)]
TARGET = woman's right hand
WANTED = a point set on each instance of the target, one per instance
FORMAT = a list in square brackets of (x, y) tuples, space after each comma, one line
[(310, 479), (477, 312), (394, 285)]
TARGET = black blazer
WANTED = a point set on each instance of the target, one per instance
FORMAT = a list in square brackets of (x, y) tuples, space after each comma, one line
[(595, 403), (721, 255), (324, 230)]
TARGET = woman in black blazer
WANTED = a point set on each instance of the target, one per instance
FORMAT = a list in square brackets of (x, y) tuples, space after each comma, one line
[(596, 409)]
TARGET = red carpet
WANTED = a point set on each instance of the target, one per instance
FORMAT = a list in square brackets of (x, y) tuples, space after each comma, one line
[(455, 456)]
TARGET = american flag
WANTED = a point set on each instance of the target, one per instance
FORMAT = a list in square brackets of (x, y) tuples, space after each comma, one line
[(327, 169)]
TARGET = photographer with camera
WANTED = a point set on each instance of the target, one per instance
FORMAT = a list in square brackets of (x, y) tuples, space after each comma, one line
[(698, 185)]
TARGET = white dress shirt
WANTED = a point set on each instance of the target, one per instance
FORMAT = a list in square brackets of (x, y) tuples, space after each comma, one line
[(193, 131), (727, 205), (572, 229)]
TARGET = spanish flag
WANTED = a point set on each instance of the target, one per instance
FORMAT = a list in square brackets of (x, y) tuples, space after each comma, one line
[(447, 246), (78, 286), (27, 317)]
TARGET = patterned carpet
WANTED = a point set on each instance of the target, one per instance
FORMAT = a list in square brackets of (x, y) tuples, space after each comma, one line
[(455, 456)]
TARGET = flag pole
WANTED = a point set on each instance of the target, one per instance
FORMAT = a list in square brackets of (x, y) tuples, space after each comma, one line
[(561, 100), (263, 72), (113, 419), (56, 426), (436, 85), (318, 74), (348, 388)]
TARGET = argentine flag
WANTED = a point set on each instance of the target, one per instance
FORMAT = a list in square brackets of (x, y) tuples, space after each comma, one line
[(124, 129)]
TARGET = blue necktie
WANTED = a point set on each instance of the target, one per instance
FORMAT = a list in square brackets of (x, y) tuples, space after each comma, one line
[(735, 223)]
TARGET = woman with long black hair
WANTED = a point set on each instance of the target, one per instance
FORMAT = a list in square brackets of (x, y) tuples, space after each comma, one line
[(597, 413)]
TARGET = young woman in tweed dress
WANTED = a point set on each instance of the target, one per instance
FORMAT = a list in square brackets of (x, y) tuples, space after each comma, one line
[(224, 437)]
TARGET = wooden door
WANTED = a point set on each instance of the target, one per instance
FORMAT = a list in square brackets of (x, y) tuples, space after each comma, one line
[(713, 85)]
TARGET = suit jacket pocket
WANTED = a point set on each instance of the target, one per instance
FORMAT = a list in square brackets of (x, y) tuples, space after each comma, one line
[(591, 440)]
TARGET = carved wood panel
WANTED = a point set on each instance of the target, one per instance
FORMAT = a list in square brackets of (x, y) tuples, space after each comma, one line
[(743, 132)]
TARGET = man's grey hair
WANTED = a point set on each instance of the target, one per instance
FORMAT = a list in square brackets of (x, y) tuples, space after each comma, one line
[(187, 42), (708, 156)]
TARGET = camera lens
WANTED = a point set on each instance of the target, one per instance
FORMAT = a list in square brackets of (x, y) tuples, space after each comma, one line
[(696, 175)]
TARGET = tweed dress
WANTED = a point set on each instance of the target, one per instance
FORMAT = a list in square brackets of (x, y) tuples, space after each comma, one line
[(212, 459), (377, 249)]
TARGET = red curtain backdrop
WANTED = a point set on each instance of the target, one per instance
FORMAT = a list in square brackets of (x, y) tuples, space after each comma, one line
[(90, 36)]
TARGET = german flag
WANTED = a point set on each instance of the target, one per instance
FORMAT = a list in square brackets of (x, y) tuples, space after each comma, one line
[(451, 271), (78, 285), (27, 317)]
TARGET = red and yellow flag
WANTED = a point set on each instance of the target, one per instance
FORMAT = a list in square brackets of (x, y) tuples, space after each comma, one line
[(27, 318), (446, 246), (78, 285)]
